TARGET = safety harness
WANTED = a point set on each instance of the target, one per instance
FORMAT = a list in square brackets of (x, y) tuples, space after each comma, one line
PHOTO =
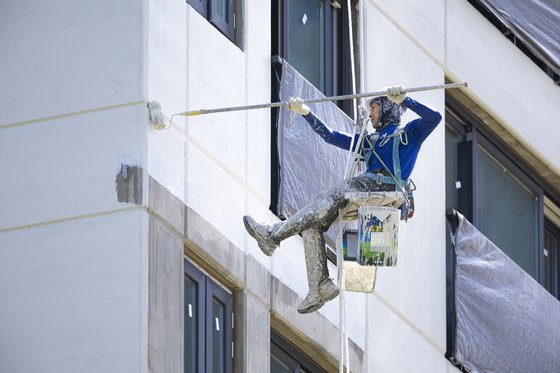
[(394, 178), (406, 186)]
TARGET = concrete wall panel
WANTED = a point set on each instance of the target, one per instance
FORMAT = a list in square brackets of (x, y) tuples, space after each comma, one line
[(423, 21), (167, 55), (252, 330), (166, 159), (66, 56), (74, 296), (394, 346), (67, 167), (257, 51), (166, 304), (216, 195), (217, 78)]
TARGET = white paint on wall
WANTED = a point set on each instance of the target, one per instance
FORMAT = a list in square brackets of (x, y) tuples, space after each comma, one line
[(416, 286), (74, 296), (66, 56), (67, 167)]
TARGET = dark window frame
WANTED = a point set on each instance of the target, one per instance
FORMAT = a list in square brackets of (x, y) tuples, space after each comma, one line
[(336, 53), (461, 122), (554, 231), (208, 9), (477, 134), (213, 290), (291, 355), (201, 6), (339, 78), (208, 289), (327, 52), (195, 275)]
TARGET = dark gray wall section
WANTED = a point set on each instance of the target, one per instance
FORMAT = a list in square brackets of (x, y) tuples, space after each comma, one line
[(252, 333), (261, 301), (165, 298)]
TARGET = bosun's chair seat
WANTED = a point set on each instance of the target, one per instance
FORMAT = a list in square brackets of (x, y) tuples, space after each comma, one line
[(359, 278)]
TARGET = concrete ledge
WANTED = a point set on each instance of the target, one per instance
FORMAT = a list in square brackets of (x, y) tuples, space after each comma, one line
[(166, 205), (165, 299)]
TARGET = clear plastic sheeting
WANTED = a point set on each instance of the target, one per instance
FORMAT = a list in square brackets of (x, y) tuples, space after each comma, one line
[(535, 22), (308, 165), (505, 320)]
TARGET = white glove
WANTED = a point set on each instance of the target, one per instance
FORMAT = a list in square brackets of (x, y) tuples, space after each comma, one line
[(396, 94), (297, 105)]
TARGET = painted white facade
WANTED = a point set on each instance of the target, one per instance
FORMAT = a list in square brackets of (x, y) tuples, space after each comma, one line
[(73, 88)]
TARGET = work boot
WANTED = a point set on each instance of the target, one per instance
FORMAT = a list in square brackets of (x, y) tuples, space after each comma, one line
[(262, 234), (317, 297)]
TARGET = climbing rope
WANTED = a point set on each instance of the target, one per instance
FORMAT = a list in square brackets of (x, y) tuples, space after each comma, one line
[(348, 173)]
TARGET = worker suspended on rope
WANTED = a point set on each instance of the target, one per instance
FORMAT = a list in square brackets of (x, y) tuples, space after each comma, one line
[(390, 154)]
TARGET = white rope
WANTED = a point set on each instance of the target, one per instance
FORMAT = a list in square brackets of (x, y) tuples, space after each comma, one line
[(353, 159)]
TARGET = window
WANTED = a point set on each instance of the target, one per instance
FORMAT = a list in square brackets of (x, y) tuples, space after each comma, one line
[(208, 340), (500, 194), (285, 358), (312, 35), (220, 13), (312, 38), (551, 258)]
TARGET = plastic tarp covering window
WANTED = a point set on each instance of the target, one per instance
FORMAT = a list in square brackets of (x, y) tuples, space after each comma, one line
[(535, 22), (308, 165), (505, 320)]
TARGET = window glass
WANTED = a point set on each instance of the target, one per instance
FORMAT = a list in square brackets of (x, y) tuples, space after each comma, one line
[(277, 366), (284, 357), (306, 39), (191, 322), (220, 13), (551, 261), (222, 9), (208, 333), (506, 211), (218, 336)]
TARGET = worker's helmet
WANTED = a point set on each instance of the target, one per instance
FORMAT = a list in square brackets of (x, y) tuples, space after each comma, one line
[(390, 112)]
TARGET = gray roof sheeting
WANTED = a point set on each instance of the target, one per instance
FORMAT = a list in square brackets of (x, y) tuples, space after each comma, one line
[(535, 22)]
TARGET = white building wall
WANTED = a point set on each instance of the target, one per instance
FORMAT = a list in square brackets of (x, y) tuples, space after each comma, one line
[(73, 260), (407, 310), (73, 296)]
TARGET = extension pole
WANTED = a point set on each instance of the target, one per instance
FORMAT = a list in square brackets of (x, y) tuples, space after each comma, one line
[(313, 100)]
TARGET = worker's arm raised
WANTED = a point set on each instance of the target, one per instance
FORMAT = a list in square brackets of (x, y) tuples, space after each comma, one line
[(332, 137), (422, 127)]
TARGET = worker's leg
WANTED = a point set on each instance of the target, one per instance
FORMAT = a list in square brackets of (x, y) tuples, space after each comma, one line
[(321, 288), (319, 214)]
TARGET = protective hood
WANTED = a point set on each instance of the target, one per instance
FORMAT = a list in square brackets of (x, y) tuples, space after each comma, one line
[(390, 112)]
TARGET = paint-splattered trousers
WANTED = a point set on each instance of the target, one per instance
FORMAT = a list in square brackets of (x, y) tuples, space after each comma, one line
[(317, 216)]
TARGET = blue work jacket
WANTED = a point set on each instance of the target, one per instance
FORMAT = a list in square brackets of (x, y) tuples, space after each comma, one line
[(416, 130)]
